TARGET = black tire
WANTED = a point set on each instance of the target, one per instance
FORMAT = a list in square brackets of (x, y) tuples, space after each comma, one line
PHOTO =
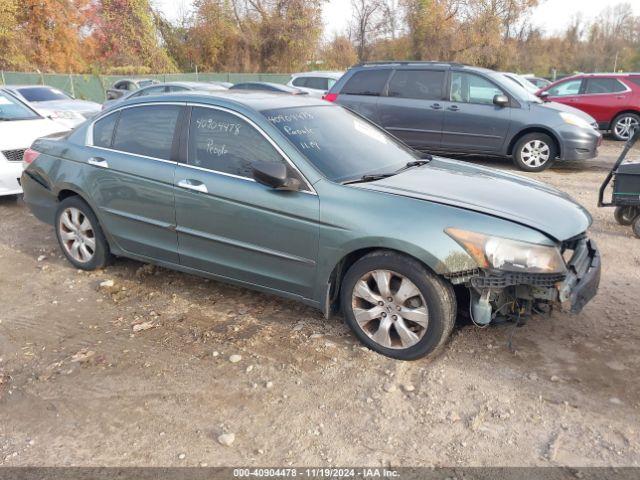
[(618, 130), (101, 255), (636, 227), (439, 301), (523, 147), (626, 215)]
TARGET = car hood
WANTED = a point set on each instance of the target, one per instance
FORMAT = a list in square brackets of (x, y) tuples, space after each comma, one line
[(512, 197), (19, 134), (561, 107), (80, 106)]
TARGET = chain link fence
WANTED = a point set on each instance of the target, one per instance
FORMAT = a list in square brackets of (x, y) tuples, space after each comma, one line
[(93, 87)]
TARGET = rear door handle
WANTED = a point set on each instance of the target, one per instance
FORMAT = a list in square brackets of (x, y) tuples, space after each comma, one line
[(98, 162), (196, 185), (436, 106), (453, 108)]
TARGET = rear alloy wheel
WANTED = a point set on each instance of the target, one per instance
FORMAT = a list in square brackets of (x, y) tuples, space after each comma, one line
[(80, 236), (396, 307), (636, 226), (535, 152), (624, 125), (626, 215)]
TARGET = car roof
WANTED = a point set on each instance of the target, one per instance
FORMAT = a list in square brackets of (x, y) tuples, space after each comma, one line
[(253, 99), (327, 73), (16, 87), (188, 84)]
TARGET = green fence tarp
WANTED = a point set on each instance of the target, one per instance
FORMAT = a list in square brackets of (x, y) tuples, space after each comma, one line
[(93, 87)]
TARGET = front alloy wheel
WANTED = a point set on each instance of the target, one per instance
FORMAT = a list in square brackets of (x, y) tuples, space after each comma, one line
[(396, 306), (390, 309), (625, 125), (535, 152)]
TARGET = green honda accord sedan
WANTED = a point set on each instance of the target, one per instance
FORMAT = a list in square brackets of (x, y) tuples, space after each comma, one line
[(305, 199)]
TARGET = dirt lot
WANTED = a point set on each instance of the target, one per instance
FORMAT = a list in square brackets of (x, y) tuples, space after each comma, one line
[(140, 374)]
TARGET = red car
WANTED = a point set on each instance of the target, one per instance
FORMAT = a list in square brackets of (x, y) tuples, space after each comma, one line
[(612, 99)]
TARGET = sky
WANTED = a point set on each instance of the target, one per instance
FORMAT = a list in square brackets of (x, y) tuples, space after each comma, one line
[(551, 15)]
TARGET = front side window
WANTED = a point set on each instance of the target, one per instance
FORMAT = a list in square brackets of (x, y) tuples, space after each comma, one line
[(471, 88), (147, 130), (366, 82), (565, 89), (103, 130), (223, 142), (604, 85), (417, 84), (299, 82), (341, 145), (12, 109)]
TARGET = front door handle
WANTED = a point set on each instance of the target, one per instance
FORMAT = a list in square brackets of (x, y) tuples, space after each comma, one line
[(98, 162), (436, 106), (453, 108), (196, 185)]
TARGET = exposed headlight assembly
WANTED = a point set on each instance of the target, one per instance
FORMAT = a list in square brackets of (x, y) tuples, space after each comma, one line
[(575, 120), (508, 255)]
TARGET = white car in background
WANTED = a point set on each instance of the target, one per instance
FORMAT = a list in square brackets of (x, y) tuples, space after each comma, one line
[(522, 81), (20, 125), (315, 84), (55, 104)]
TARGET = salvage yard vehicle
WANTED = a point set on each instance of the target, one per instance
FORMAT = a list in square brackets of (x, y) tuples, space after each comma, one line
[(168, 87), (20, 125), (302, 198), (127, 85), (454, 108), (316, 83), (613, 99), (55, 104)]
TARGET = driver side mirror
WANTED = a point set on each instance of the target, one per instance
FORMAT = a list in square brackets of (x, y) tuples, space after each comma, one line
[(274, 175), (544, 96), (501, 100)]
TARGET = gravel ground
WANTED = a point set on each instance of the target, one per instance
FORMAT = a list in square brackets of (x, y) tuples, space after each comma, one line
[(166, 369)]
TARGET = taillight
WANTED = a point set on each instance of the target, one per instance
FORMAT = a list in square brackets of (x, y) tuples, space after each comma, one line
[(331, 97), (29, 156)]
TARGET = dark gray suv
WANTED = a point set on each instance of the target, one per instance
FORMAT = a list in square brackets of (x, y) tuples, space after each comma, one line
[(454, 108)]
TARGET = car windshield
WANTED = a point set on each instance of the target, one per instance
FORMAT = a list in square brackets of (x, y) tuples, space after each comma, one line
[(13, 109), (516, 88), (42, 94), (341, 145)]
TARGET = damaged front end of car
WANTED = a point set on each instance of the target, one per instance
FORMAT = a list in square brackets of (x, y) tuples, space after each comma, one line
[(515, 279)]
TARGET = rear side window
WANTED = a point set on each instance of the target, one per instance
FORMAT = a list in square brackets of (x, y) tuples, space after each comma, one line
[(417, 84), (147, 130), (366, 82), (470, 88), (299, 82), (223, 142), (604, 85), (103, 130), (317, 83)]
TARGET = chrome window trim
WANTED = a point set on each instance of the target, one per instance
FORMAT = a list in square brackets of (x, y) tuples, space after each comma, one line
[(89, 141), (309, 189), (622, 92)]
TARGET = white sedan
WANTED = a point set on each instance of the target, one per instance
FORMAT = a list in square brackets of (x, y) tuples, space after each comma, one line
[(20, 125)]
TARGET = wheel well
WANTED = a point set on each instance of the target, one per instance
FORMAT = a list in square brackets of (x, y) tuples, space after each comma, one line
[(64, 194), (635, 112), (533, 130), (339, 271)]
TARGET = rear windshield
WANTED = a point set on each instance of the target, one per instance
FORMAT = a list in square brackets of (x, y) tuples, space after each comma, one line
[(42, 94), (341, 145), (13, 109)]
